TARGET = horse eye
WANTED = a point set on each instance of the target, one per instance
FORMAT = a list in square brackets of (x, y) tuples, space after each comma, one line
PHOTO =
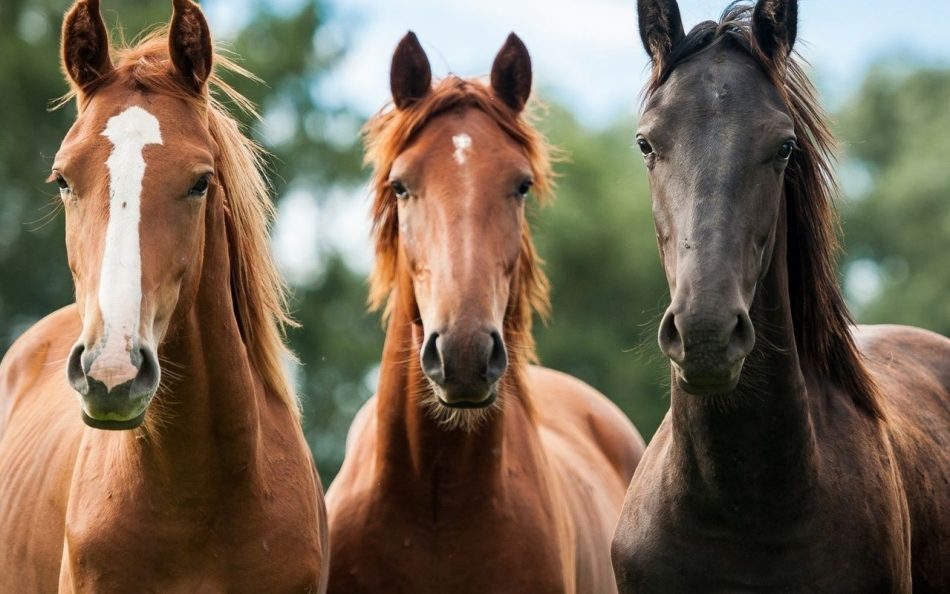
[(645, 146), (61, 182), (785, 152), (524, 188), (200, 187), (399, 189)]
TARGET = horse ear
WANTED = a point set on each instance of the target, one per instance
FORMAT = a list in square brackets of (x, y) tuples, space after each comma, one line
[(511, 73), (410, 77), (661, 28), (775, 25), (85, 44), (189, 43)]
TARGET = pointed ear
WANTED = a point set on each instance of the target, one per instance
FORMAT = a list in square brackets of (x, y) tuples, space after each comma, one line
[(189, 44), (661, 28), (775, 25), (410, 77), (511, 73), (85, 44)]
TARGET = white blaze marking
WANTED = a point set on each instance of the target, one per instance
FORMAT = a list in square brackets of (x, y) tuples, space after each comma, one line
[(462, 143), (120, 282)]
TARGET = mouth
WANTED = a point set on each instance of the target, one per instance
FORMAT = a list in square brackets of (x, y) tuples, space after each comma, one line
[(707, 386), (466, 397), (488, 401), (467, 414), (115, 410), (113, 424)]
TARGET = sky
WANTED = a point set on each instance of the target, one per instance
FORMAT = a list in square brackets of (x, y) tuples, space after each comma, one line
[(586, 54)]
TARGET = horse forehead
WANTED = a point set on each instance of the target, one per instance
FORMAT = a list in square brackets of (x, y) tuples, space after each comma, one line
[(177, 116), (133, 127), (720, 81), (466, 134), (146, 120)]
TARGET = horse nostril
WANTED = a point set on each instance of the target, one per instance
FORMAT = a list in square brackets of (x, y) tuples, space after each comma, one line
[(497, 359), (670, 339), (149, 373), (432, 360), (75, 371), (742, 338)]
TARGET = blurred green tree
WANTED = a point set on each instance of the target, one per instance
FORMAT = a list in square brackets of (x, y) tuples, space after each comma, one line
[(896, 133)]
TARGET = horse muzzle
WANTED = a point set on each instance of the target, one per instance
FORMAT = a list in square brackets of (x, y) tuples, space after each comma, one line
[(115, 388), (707, 351), (464, 369)]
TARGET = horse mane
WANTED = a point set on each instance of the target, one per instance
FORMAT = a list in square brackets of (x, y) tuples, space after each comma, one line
[(823, 324), (390, 132), (258, 292)]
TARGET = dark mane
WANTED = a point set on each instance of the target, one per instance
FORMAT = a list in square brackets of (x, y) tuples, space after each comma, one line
[(823, 324), (390, 132)]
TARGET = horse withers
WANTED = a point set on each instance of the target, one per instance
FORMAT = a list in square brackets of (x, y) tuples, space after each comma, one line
[(183, 465), (800, 454), (470, 470)]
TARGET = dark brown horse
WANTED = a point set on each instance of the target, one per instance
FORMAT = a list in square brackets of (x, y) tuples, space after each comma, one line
[(800, 454), (470, 471), (205, 483)]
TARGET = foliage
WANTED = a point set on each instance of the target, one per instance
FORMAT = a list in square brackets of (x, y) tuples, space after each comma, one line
[(897, 138)]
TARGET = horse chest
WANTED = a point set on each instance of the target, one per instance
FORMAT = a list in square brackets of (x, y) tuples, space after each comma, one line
[(668, 550), (203, 551), (388, 548)]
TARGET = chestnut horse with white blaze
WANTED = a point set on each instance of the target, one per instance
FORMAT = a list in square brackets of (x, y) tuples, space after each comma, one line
[(184, 466), (470, 470), (800, 454)]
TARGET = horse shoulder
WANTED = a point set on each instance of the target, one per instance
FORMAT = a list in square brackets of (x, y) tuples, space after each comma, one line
[(360, 560), (572, 408), (911, 368), (39, 438), (593, 450), (355, 478), (889, 346), (364, 419), (37, 356)]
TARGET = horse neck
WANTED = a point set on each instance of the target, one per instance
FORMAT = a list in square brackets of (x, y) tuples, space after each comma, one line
[(210, 413), (759, 441), (413, 451)]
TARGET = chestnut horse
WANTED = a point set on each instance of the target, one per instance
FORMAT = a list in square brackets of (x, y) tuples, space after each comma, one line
[(800, 454), (211, 486), (470, 471)]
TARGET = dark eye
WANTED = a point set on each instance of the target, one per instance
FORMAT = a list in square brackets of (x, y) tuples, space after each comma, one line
[(399, 189), (785, 151), (645, 146), (524, 188), (201, 186), (61, 182)]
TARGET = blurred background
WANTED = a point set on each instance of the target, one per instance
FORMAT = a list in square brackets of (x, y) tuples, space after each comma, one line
[(884, 75)]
